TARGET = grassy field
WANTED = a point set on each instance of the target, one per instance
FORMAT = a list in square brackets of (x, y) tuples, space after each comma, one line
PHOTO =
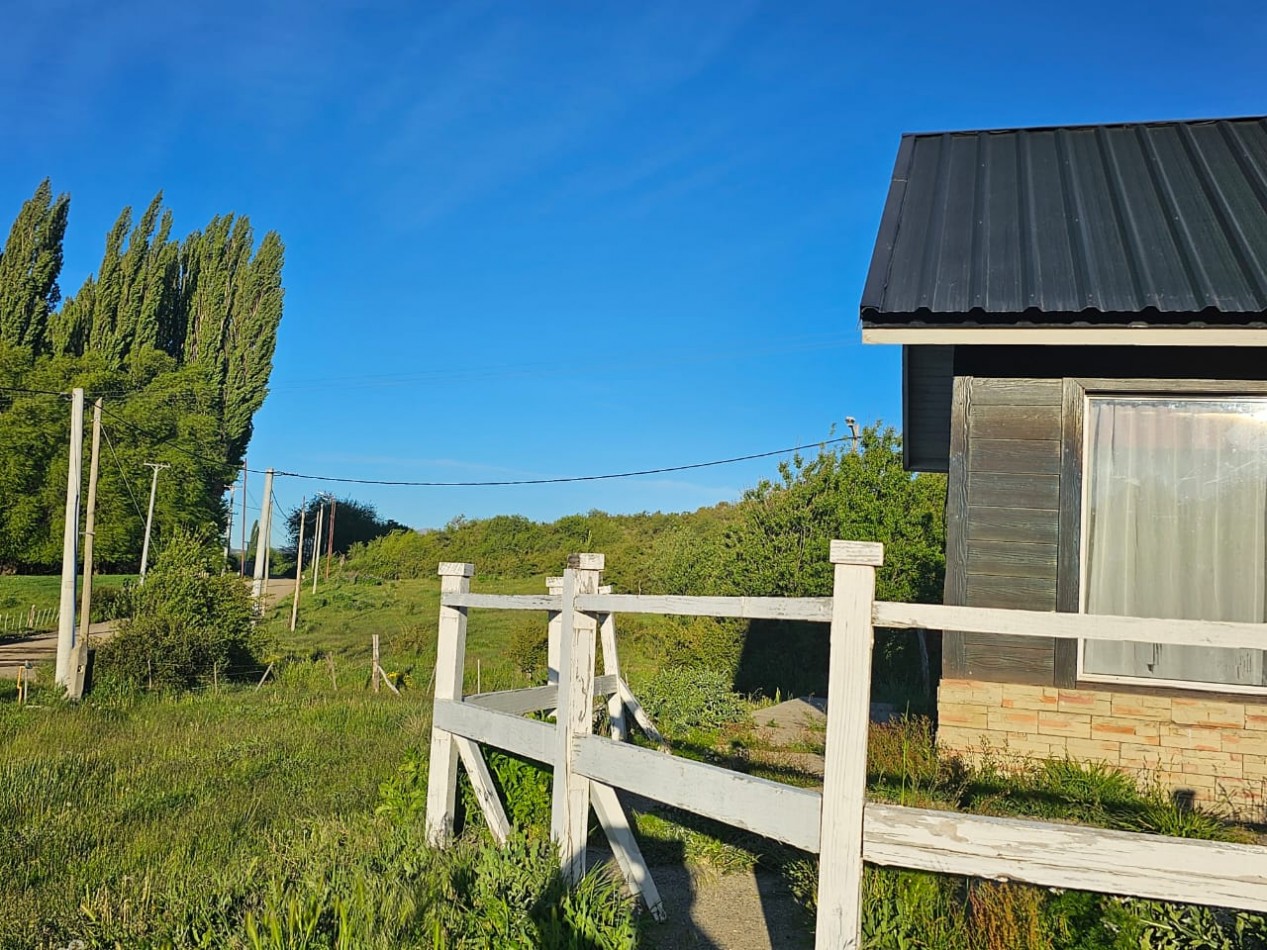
[(502, 646), (288, 816), (19, 594)]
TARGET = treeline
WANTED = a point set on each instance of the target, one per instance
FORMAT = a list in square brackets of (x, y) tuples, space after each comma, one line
[(176, 333), (773, 542)]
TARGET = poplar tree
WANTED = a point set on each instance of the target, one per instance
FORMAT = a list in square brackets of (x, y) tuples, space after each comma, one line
[(185, 328), (213, 300), (29, 267)]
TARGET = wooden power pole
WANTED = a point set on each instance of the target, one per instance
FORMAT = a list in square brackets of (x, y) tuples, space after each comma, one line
[(299, 566), (79, 653), (261, 544), (70, 543), (228, 531), (149, 518), (242, 561), (316, 547), (334, 504)]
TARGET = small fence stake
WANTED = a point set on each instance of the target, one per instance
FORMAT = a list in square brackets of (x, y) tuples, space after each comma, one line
[(848, 722), (267, 670), (374, 670)]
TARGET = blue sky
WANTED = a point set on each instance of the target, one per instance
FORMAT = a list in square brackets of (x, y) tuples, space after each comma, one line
[(540, 239)]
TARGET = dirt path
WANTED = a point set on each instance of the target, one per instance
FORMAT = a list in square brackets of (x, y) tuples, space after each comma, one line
[(741, 911), (42, 647)]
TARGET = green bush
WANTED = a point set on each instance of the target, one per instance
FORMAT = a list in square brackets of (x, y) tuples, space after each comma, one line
[(528, 648), (189, 622), (680, 699)]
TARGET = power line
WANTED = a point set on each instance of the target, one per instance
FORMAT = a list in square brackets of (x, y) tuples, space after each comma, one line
[(569, 478), (124, 475), (505, 483)]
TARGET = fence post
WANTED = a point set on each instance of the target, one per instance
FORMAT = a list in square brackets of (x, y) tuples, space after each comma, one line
[(455, 578), (848, 719), (554, 628), (569, 814), (611, 667)]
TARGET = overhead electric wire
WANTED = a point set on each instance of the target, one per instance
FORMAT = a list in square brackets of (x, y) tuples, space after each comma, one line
[(566, 478), (122, 473), (503, 483)]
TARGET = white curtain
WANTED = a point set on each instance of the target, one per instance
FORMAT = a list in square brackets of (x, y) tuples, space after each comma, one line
[(1177, 527)]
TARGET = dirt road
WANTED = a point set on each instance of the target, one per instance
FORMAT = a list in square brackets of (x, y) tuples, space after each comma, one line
[(42, 647)]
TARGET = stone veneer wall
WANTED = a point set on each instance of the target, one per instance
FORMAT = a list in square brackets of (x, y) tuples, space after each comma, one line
[(1215, 748)]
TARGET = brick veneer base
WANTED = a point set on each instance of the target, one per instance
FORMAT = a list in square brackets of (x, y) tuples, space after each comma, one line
[(1214, 748)]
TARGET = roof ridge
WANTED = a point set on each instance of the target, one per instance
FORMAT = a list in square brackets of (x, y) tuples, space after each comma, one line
[(1086, 126)]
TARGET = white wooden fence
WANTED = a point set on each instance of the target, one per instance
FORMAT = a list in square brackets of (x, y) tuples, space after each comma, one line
[(836, 823), (28, 621)]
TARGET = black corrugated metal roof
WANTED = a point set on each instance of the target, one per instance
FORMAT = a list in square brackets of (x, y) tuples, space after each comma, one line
[(1155, 222)]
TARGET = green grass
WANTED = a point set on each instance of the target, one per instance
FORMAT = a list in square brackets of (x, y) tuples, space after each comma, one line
[(19, 593), (149, 820), (342, 617), (111, 794)]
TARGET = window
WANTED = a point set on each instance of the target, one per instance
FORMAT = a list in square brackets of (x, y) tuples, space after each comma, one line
[(1175, 525)]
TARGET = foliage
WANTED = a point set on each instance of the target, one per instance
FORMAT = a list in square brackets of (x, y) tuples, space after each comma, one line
[(189, 622), (403, 797), (680, 699), (524, 786), (772, 543), (29, 266), (355, 522), (179, 334), (780, 547)]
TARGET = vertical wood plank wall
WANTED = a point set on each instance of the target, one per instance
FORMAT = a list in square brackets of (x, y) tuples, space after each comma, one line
[(1004, 536), (928, 374)]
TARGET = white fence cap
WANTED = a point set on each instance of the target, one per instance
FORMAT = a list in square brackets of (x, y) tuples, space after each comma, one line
[(857, 552)]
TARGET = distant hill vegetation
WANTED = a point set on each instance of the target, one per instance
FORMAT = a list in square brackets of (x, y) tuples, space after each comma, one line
[(178, 335), (772, 542)]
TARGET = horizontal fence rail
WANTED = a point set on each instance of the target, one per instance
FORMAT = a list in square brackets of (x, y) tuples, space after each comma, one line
[(815, 609), (1036, 623), (1043, 853), (837, 823)]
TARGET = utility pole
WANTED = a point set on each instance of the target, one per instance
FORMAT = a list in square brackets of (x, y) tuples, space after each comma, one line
[(334, 504), (242, 563), (299, 565), (316, 547), (149, 519), (79, 651), (228, 531), (261, 544), (268, 548), (70, 539)]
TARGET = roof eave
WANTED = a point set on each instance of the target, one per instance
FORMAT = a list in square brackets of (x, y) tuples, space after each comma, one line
[(1120, 335)]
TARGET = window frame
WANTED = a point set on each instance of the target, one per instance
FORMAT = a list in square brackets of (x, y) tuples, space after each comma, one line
[(1074, 523)]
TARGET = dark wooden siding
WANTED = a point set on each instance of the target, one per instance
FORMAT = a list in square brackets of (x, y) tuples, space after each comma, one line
[(1003, 545), (927, 377)]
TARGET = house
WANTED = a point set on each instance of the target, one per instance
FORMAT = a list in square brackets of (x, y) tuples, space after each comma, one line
[(1082, 313)]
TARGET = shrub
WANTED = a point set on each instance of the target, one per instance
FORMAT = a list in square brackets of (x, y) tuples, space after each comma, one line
[(681, 699), (527, 648), (189, 622)]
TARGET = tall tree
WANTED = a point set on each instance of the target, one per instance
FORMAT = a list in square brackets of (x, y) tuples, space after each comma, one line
[(132, 303), (29, 268), (186, 328)]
